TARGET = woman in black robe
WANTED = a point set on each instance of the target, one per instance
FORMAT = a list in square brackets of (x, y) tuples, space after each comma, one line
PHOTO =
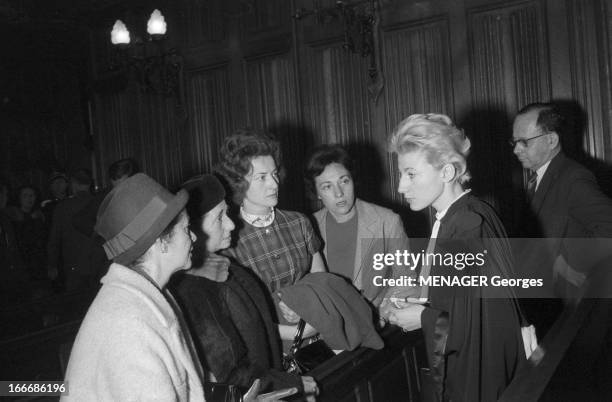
[(472, 333)]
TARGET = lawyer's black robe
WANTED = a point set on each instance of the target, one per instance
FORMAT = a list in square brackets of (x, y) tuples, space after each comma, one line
[(484, 347)]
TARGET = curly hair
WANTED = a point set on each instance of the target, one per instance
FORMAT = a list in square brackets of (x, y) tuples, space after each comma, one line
[(320, 158), (437, 136), (237, 152), (123, 167)]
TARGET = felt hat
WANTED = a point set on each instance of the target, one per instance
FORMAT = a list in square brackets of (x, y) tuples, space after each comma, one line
[(134, 214), (205, 193)]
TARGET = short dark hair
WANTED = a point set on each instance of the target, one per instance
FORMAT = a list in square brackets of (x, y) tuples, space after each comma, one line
[(24, 187), (82, 177), (550, 119), (123, 167), (237, 152), (320, 158)]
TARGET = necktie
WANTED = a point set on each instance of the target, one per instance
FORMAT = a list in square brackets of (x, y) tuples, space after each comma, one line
[(426, 269), (531, 186)]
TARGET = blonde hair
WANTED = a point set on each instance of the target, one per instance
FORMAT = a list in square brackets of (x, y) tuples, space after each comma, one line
[(436, 136)]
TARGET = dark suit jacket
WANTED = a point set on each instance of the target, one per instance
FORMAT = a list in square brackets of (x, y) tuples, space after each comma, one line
[(571, 211), (68, 249)]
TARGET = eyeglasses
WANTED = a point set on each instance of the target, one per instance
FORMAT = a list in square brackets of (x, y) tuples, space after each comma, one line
[(524, 141)]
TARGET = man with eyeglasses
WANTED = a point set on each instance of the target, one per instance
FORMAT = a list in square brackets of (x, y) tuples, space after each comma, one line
[(565, 200), (568, 208)]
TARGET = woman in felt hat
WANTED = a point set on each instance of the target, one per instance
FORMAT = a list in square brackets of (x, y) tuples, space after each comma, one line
[(131, 345), (225, 305)]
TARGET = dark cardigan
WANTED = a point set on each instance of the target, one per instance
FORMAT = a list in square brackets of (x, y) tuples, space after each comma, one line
[(233, 330)]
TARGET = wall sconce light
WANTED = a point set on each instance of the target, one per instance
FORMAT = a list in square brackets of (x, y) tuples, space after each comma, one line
[(156, 68), (360, 20)]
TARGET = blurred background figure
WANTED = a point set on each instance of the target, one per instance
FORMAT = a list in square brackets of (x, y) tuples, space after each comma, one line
[(84, 220), (30, 230), (13, 276), (4, 194), (58, 191), (68, 249), (118, 171), (122, 169)]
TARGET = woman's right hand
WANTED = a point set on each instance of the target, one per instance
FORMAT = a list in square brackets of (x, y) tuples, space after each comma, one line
[(289, 315), (409, 317), (253, 395), (310, 388)]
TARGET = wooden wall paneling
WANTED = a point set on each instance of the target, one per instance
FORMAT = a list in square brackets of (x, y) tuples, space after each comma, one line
[(337, 108), (209, 118), (203, 21), (159, 137), (110, 117), (392, 382), (272, 104), (509, 68), (41, 71), (532, 75), (141, 125), (418, 79), (418, 71), (589, 65), (558, 40), (266, 16)]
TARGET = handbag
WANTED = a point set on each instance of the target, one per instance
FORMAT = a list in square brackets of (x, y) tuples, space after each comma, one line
[(222, 392), (300, 360)]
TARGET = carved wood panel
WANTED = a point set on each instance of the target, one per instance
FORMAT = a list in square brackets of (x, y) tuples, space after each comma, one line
[(335, 95), (509, 69), (209, 118), (272, 104), (418, 77), (204, 21), (153, 138), (589, 53)]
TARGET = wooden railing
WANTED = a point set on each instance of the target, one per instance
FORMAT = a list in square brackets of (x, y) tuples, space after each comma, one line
[(367, 375), (36, 356), (33, 316)]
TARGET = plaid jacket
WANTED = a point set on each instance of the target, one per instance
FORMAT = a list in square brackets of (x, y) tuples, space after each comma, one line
[(279, 254)]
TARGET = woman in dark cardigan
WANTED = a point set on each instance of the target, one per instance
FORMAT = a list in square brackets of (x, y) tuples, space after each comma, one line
[(226, 305)]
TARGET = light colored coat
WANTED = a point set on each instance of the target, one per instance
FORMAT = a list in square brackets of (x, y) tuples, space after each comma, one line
[(379, 230), (130, 346)]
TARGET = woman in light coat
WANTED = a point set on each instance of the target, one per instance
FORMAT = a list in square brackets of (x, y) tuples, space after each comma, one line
[(131, 344)]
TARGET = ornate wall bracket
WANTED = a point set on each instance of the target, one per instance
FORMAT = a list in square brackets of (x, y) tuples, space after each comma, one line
[(360, 22)]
